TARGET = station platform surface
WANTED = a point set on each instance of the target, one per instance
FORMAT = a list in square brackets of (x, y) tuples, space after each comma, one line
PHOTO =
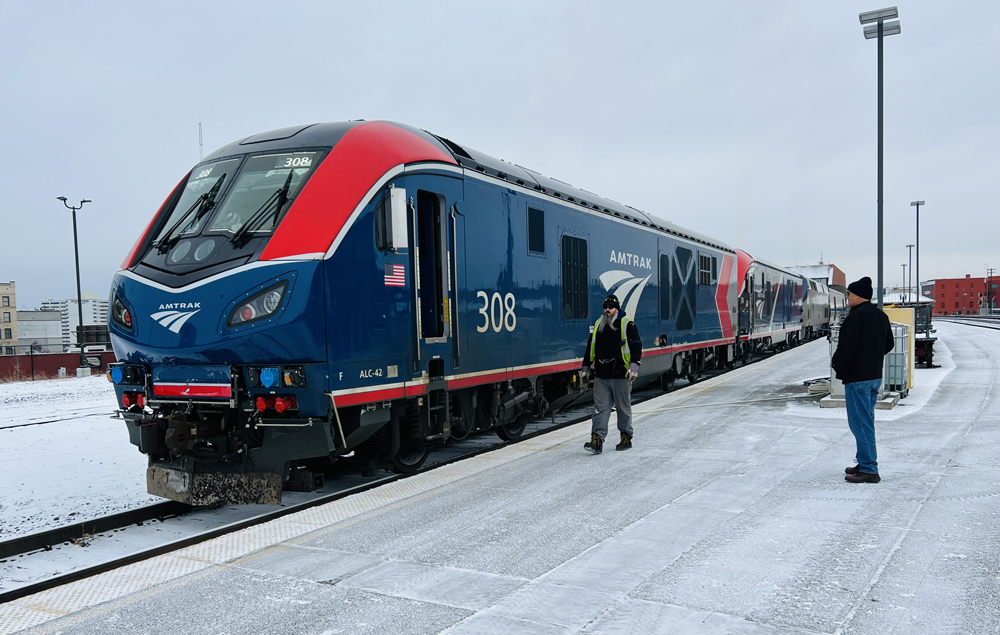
[(730, 515)]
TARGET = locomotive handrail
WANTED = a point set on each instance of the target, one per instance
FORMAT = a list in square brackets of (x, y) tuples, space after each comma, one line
[(340, 427)]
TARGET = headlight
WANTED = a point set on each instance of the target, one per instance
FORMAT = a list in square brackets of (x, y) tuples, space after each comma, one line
[(260, 306), (120, 313)]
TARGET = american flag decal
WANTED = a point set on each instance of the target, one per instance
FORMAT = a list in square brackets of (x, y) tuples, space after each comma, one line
[(395, 276)]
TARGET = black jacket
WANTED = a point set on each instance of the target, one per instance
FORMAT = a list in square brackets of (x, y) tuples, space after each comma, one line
[(608, 362), (865, 338)]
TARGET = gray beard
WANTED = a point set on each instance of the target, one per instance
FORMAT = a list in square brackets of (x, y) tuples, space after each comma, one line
[(606, 321)]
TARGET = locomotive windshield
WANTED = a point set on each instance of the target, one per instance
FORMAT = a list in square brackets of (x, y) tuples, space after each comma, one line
[(263, 188), (227, 204), (190, 210)]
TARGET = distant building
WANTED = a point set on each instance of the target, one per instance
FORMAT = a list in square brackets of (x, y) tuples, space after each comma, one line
[(95, 311), (961, 296), (827, 274), (39, 332), (8, 318)]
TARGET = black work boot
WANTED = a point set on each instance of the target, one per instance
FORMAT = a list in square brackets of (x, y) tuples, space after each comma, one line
[(863, 477), (595, 445), (852, 470), (626, 443)]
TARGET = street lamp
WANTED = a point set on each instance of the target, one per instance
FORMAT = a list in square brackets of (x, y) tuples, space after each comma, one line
[(908, 283), (989, 289), (79, 299), (917, 204), (880, 29), (904, 278)]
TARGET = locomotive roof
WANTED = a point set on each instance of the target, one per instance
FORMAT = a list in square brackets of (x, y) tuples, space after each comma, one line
[(329, 134)]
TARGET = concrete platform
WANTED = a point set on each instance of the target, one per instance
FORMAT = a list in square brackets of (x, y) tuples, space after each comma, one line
[(730, 515)]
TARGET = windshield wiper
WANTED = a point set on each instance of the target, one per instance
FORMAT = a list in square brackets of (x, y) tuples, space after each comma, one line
[(278, 199), (203, 204)]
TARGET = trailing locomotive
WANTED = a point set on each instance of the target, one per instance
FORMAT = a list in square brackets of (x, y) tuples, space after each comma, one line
[(368, 289)]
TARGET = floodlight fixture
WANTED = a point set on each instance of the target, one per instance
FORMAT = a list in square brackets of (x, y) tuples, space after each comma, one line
[(888, 28), (915, 203), (879, 15)]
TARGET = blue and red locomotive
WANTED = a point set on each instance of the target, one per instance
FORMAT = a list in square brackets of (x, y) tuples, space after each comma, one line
[(368, 289)]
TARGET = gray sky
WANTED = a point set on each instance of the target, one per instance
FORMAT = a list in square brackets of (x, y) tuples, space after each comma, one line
[(751, 122)]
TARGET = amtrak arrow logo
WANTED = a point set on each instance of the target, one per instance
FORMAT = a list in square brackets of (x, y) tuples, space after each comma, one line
[(629, 288), (173, 320)]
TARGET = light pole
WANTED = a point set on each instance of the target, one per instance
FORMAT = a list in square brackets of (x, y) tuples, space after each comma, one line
[(879, 30), (917, 204), (989, 287), (79, 300), (908, 282), (904, 278)]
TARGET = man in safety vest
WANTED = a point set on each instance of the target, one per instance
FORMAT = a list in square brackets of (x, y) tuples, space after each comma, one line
[(612, 355)]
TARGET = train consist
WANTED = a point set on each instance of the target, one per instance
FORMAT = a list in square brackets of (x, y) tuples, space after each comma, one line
[(368, 290)]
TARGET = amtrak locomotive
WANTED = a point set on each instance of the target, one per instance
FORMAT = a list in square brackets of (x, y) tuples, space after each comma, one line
[(369, 290)]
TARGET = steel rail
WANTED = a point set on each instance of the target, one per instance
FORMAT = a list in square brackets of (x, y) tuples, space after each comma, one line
[(46, 540), (995, 325)]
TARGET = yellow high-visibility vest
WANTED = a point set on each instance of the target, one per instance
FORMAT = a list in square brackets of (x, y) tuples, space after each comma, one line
[(626, 354)]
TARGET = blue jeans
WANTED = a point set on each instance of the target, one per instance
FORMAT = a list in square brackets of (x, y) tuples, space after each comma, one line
[(861, 397)]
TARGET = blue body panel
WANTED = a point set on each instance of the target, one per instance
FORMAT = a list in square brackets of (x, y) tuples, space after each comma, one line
[(297, 334)]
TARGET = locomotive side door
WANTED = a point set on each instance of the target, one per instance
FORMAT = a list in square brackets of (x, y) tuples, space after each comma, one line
[(433, 269)]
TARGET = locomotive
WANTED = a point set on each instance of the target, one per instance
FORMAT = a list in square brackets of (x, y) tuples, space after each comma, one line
[(367, 290)]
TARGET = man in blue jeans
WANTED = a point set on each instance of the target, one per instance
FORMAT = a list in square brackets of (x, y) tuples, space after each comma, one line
[(865, 339)]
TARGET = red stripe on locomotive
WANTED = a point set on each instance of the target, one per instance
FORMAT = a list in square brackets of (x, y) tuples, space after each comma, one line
[(341, 181)]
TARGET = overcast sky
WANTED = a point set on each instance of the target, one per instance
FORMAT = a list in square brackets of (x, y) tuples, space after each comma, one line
[(754, 123)]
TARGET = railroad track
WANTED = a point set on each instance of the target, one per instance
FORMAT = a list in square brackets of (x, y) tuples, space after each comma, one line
[(83, 415), (981, 321), (69, 535)]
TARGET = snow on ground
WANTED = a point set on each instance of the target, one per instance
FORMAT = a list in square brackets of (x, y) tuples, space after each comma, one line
[(925, 382), (79, 467), (47, 399)]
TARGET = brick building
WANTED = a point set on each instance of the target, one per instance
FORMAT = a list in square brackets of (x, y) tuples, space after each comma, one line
[(961, 296), (825, 273), (8, 318)]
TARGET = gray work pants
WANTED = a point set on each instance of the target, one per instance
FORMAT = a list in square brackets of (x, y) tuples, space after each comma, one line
[(608, 393)]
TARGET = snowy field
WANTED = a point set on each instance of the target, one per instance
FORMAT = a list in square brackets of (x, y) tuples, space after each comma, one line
[(64, 459)]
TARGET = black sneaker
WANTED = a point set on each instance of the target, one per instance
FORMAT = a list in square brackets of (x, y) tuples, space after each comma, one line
[(595, 445), (852, 470), (626, 443), (863, 477)]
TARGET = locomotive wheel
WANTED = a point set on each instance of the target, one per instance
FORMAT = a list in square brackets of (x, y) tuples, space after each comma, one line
[(667, 381), (412, 454), (463, 423), (512, 430)]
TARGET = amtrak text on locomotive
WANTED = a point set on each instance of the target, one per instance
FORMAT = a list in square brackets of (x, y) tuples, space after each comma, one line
[(181, 305), (622, 258)]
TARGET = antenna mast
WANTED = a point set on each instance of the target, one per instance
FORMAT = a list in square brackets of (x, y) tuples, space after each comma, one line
[(201, 145)]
